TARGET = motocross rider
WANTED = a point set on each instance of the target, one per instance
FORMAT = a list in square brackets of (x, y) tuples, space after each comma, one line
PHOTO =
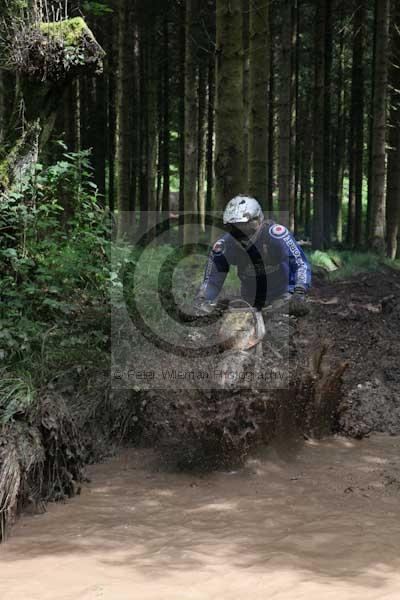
[(270, 263)]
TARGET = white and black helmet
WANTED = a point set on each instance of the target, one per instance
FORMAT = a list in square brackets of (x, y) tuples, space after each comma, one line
[(243, 209)]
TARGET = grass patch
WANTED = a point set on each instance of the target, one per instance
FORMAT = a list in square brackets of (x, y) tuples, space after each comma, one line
[(346, 264), (160, 272)]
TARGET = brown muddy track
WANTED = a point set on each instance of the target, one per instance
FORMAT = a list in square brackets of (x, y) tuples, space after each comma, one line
[(316, 521)]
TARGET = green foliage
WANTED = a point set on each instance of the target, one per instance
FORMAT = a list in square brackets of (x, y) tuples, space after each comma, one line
[(50, 51), (346, 264), (326, 260), (174, 180), (9, 8), (160, 272), (146, 276), (98, 9), (17, 395), (55, 268), (71, 31)]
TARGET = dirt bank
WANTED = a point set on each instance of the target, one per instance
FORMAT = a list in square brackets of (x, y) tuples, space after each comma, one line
[(360, 321), (319, 521)]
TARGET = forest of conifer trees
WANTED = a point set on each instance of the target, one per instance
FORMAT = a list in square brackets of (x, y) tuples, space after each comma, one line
[(293, 101)]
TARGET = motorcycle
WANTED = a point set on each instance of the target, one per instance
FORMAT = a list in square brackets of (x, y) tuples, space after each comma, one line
[(216, 426), (249, 339)]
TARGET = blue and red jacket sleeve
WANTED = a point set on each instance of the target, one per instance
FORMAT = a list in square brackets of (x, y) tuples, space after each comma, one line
[(217, 269)]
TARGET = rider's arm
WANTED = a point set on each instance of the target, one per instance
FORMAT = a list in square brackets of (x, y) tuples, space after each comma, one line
[(216, 271), (283, 247)]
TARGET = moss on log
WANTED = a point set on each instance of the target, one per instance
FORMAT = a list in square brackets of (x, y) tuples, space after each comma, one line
[(55, 51), (70, 31), (46, 57)]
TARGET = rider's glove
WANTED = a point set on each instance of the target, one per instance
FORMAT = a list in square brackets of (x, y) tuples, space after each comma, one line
[(298, 305)]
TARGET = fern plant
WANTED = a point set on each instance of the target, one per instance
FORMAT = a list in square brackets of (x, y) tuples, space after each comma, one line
[(17, 396)]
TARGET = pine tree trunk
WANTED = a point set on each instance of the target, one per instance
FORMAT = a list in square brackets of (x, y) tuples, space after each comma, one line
[(229, 159), (148, 67), (202, 143), (393, 188), (143, 137), (295, 159), (166, 119), (181, 115), (327, 124), (2, 106), (378, 173), (85, 108), (286, 115), (191, 121), (112, 109), (306, 179), (271, 115), (151, 71), (159, 166), (210, 133), (371, 125), (124, 87), (304, 166), (258, 100), (160, 137), (99, 133), (97, 123), (72, 116), (318, 125), (135, 119), (246, 85), (356, 138), (340, 141)]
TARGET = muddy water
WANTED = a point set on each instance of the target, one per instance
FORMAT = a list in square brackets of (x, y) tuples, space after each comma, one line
[(319, 522)]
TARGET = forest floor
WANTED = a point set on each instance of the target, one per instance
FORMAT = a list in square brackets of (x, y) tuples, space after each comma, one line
[(320, 520)]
